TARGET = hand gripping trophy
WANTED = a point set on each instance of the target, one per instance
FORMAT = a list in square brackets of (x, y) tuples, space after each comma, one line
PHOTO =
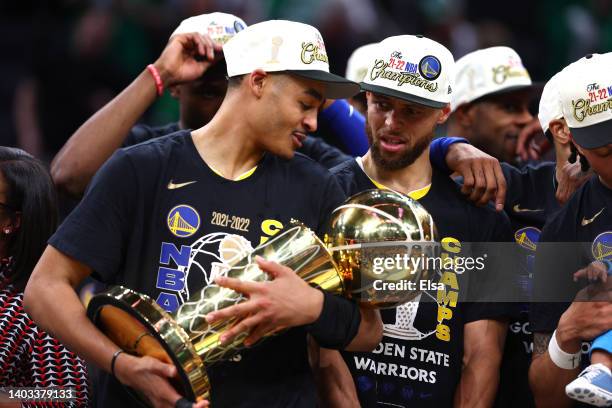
[(371, 226)]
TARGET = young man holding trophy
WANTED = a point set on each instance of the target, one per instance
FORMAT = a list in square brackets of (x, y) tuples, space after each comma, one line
[(169, 216), (444, 347)]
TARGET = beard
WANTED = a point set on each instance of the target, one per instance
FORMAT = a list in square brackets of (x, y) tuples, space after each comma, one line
[(403, 159)]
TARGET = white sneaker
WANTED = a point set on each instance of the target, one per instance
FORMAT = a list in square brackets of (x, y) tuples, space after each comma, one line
[(593, 386)]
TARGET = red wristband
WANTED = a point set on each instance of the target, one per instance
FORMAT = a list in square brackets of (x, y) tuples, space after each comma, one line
[(159, 85)]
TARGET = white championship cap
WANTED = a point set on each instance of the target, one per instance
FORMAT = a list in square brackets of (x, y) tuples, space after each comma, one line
[(280, 45), (413, 68), (488, 71), (586, 100), (550, 105), (358, 62), (220, 27)]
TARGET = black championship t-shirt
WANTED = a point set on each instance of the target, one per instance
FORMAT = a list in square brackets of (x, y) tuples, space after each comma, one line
[(578, 234), (313, 147), (530, 201), (419, 361), (158, 220)]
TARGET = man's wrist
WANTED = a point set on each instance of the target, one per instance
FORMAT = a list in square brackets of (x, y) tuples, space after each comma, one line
[(567, 337), (337, 324), (563, 358), (316, 305), (164, 73)]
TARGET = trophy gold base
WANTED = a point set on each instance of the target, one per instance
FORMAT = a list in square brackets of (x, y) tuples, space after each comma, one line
[(137, 324)]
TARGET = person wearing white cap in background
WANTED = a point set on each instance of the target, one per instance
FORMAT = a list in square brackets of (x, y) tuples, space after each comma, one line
[(356, 68), (490, 102), (191, 67), (240, 165), (419, 362), (576, 244)]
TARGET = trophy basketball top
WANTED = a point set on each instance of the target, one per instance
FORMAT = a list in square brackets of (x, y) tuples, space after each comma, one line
[(376, 238)]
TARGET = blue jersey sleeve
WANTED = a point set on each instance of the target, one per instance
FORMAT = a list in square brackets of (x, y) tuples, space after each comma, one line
[(438, 150), (347, 125)]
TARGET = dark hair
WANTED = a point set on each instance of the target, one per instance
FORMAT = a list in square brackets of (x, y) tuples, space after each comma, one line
[(235, 81), (32, 194)]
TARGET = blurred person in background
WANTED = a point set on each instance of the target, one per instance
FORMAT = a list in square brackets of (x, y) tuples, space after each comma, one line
[(491, 97), (29, 357), (356, 69)]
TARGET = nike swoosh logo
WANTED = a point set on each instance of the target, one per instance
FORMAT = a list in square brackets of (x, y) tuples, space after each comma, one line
[(517, 209), (587, 221), (172, 186)]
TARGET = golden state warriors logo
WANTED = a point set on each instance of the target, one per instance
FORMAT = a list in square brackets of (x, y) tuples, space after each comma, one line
[(430, 67), (527, 238), (183, 221), (602, 246)]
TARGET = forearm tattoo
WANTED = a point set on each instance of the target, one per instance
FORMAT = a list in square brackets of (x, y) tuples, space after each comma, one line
[(540, 342)]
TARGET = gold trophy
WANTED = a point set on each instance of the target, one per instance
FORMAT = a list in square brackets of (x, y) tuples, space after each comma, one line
[(372, 225)]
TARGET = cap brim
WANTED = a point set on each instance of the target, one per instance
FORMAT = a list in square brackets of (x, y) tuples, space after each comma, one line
[(535, 88), (402, 95), (336, 87), (594, 136)]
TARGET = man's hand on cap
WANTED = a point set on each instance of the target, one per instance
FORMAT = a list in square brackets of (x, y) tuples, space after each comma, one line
[(187, 57)]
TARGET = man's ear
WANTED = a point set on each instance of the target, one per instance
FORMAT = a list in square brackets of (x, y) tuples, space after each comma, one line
[(446, 111), (559, 131), (257, 81)]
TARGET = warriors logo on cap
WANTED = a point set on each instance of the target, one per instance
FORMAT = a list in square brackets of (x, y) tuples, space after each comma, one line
[(430, 67), (220, 27), (239, 26)]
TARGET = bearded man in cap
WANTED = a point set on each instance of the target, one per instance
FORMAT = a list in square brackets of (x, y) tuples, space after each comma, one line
[(446, 351)]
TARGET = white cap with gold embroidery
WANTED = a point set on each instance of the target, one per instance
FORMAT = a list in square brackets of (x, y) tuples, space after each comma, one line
[(358, 62), (280, 45), (413, 68), (220, 27), (488, 71), (586, 100)]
